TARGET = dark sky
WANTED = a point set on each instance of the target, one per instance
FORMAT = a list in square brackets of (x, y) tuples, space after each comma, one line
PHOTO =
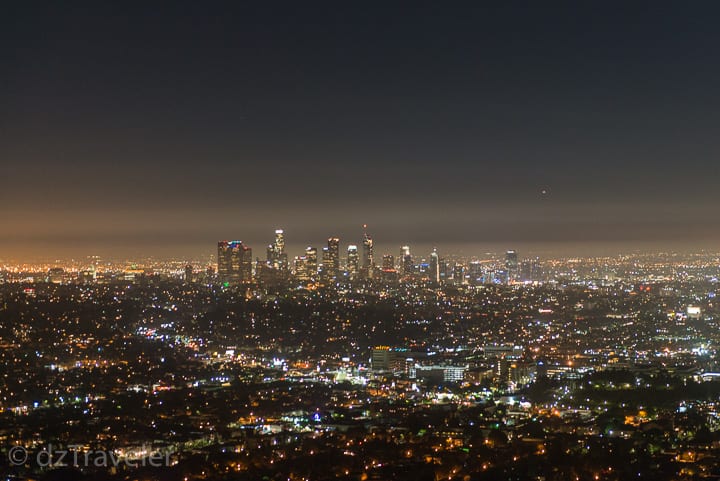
[(143, 127)]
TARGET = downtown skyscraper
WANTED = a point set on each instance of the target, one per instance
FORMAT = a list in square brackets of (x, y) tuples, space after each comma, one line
[(331, 259), (276, 255), (353, 261), (368, 256), (434, 268), (512, 265), (234, 262)]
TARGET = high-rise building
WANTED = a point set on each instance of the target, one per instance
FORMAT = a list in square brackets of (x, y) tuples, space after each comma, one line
[(406, 261), (530, 270), (323, 272), (368, 259), (276, 268), (353, 261), (511, 266), (299, 268), (446, 270), (234, 262), (189, 273), (280, 241), (281, 259), (388, 262), (458, 274), (388, 271), (276, 256), (331, 259), (434, 267), (311, 262), (475, 273)]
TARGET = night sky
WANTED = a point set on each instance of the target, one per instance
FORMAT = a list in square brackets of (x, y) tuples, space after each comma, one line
[(158, 129)]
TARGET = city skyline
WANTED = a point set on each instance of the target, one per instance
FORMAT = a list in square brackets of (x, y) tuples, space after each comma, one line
[(359, 241)]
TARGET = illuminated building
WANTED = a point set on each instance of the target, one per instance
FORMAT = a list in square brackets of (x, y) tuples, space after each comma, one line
[(56, 275), (311, 262), (434, 267), (511, 265), (406, 261), (475, 272), (300, 268), (275, 269), (280, 241), (502, 351), (325, 259), (440, 373), (133, 273), (446, 270), (389, 273), (530, 270), (87, 276), (368, 259), (331, 259), (276, 256), (388, 262), (188, 273), (234, 262), (353, 260), (306, 266), (458, 274), (384, 358), (281, 259)]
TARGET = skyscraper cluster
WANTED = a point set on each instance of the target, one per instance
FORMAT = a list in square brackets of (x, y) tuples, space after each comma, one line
[(235, 265), (234, 262)]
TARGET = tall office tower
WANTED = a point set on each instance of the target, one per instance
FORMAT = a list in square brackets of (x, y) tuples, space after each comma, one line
[(530, 270), (445, 270), (434, 267), (281, 259), (388, 262), (323, 272), (537, 270), (234, 262), (458, 274), (279, 241), (331, 265), (353, 261), (388, 273), (475, 272), (246, 265), (299, 265), (511, 266), (188, 273), (311, 262), (368, 259), (406, 261), (276, 256)]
